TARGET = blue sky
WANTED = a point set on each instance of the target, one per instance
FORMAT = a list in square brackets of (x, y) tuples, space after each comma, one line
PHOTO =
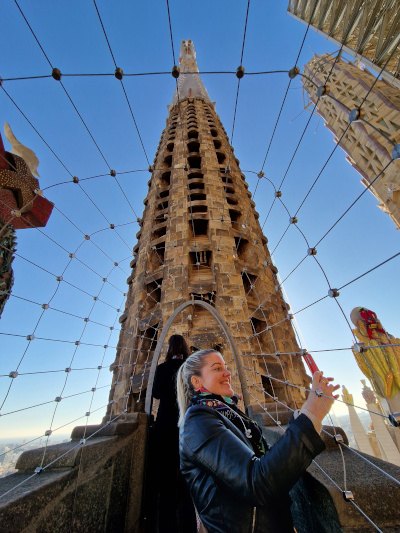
[(138, 32)]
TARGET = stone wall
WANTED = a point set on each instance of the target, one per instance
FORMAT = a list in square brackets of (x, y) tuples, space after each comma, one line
[(98, 486), (95, 487), (318, 503)]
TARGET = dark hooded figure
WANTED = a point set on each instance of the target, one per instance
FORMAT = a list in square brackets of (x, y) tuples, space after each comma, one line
[(176, 511)]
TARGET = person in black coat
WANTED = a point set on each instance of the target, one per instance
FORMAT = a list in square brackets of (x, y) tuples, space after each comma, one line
[(238, 483), (176, 511)]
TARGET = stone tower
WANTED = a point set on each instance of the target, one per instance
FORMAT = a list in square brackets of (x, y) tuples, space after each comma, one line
[(368, 142), (200, 239), (367, 30)]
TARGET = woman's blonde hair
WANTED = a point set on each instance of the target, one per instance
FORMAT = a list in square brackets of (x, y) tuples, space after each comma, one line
[(184, 388)]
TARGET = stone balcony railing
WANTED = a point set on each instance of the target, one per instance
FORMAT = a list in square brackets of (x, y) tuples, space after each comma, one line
[(97, 485)]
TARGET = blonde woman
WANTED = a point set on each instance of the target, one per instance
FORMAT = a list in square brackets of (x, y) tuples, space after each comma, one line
[(237, 483)]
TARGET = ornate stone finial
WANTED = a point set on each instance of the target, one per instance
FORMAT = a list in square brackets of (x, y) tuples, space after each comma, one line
[(378, 362), (346, 396), (367, 393), (187, 52), (22, 204), (189, 82), (18, 148)]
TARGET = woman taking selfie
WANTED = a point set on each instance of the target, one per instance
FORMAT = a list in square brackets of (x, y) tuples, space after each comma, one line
[(237, 483)]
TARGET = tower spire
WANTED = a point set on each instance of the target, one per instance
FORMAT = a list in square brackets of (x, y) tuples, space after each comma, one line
[(189, 83), (200, 242)]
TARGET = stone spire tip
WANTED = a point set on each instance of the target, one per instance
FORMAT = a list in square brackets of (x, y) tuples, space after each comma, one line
[(189, 82), (187, 50)]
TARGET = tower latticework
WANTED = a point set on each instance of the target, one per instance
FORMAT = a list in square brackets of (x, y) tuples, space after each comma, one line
[(200, 239), (368, 142), (367, 30)]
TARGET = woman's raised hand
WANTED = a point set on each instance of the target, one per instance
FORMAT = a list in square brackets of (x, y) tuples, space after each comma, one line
[(320, 405)]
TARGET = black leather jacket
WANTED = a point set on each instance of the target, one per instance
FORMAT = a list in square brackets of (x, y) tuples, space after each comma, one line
[(233, 490)]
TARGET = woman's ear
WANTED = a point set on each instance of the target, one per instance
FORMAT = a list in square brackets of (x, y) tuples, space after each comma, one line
[(195, 380)]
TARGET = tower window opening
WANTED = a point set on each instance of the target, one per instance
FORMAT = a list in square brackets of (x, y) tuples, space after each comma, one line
[(225, 179), (242, 247), (229, 190), (196, 185), (159, 232), (168, 161), (193, 146), (270, 392), (160, 206), (197, 209), (214, 133), (195, 175), (201, 258), (157, 255), (149, 340), (153, 294), (199, 226), (248, 282), (217, 143), (221, 157), (170, 147), (231, 201), (192, 124), (164, 194), (208, 297), (159, 218), (193, 134), (194, 161), (258, 326), (194, 197), (165, 179), (235, 215), (191, 114)]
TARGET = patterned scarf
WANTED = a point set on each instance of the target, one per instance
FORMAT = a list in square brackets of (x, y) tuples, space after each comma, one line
[(228, 408)]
